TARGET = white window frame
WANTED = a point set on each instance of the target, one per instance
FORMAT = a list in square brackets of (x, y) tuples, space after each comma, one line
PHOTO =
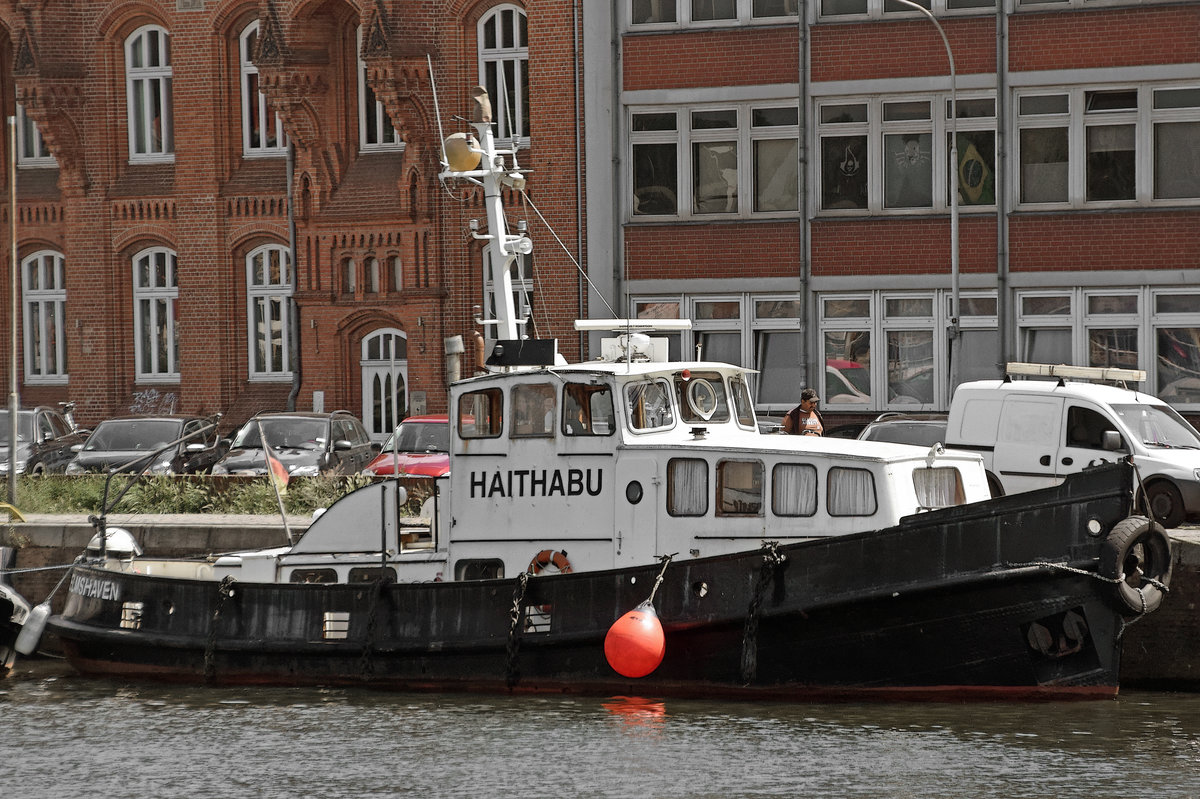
[(45, 306), (154, 306), (272, 300), (151, 83), (765, 325), (511, 125), (882, 9), (684, 137), (875, 129), (32, 151), (744, 15), (1156, 320), (377, 133), (254, 103), (1077, 119)]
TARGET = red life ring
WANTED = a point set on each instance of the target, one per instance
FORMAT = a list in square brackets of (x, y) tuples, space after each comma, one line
[(547, 558)]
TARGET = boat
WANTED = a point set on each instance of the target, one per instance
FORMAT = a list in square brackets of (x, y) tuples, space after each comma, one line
[(622, 527), (14, 611)]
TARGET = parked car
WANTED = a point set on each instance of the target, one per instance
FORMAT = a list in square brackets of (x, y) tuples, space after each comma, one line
[(306, 443), (902, 428), (420, 445), (44, 440), (119, 442)]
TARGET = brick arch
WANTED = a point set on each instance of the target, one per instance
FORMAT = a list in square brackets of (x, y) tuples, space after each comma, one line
[(122, 18)]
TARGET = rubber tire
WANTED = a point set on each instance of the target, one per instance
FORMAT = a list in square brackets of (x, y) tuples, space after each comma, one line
[(1118, 548), (1165, 504), (994, 486)]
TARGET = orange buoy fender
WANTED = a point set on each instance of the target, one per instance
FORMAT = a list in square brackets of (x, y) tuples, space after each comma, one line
[(635, 643)]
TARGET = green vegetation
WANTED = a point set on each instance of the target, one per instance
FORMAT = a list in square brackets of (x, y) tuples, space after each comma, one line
[(201, 494)]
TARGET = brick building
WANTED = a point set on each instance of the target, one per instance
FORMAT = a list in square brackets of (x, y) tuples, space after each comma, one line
[(782, 170), (159, 144)]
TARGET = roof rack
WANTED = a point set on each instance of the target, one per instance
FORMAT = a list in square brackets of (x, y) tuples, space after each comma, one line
[(1063, 371)]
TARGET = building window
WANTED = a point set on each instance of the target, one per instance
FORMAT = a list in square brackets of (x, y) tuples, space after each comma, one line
[(878, 9), (375, 128), (698, 13), (504, 70), (893, 154), (1175, 326), (155, 311), (778, 348), (148, 94), (269, 297), (373, 275), (31, 149), (739, 161), (262, 129), (44, 293), (1082, 148), (396, 273)]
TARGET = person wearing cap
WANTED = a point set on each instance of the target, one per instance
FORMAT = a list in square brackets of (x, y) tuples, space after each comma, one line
[(805, 419)]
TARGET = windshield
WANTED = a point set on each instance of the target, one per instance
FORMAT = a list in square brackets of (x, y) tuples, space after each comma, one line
[(420, 437), (127, 435), (1158, 426), (24, 426), (284, 434)]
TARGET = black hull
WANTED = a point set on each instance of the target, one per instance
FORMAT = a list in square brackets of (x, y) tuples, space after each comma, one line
[(954, 604)]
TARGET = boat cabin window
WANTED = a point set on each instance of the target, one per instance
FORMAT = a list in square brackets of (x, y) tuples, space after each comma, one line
[(794, 489), (587, 410), (687, 487), (371, 574), (743, 408), (481, 414), (314, 576), (479, 569), (533, 411), (940, 487), (649, 405), (739, 488), (851, 492), (701, 397)]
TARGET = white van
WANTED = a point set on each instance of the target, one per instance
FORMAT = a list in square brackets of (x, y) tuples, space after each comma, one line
[(1033, 433)]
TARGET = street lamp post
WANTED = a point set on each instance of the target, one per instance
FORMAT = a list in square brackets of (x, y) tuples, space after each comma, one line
[(14, 402), (955, 331)]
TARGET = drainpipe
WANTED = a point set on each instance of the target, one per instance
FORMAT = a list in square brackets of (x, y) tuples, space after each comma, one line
[(811, 351), (580, 287), (1003, 306), (294, 316), (618, 117)]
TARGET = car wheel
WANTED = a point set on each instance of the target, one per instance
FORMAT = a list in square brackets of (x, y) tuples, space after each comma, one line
[(1166, 505), (38, 470), (994, 486)]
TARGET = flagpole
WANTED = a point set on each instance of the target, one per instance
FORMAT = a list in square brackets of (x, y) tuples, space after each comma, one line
[(267, 458)]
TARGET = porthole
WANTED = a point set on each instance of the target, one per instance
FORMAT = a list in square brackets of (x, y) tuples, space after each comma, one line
[(633, 492)]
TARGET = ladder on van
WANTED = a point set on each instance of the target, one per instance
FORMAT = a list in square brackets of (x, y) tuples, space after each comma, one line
[(1063, 371)]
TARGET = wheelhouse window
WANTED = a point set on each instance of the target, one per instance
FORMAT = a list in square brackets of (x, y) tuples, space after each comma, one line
[(155, 301), (794, 489), (687, 487), (148, 75), (375, 128), (739, 488), (44, 292), (262, 128), (504, 70), (648, 404), (587, 410), (851, 492), (481, 414), (534, 411), (939, 487), (269, 295), (701, 397)]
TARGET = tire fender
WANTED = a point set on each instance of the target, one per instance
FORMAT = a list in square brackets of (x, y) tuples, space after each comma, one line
[(1136, 556)]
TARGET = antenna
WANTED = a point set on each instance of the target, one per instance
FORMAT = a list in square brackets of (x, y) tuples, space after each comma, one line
[(437, 114)]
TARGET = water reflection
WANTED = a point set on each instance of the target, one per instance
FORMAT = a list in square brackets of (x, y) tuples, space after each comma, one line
[(636, 711)]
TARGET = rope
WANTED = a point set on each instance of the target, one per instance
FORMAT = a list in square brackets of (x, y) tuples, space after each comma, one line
[(772, 561), (666, 561), (224, 591), (516, 615), (4, 572)]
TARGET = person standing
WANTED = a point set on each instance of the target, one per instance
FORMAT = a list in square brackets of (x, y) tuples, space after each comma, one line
[(805, 419)]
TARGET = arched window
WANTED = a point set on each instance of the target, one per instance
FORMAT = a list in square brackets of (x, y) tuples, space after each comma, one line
[(375, 128), (148, 94), (269, 295), (45, 298), (397, 273), (372, 275), (262, 129), (155, 311), (384, 367), (503, 69), (349, 276)]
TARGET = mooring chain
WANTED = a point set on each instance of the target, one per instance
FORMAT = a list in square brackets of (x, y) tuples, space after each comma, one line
[(516, 616), (366, 667), (224, 591), (1084, 572), (772, 562)]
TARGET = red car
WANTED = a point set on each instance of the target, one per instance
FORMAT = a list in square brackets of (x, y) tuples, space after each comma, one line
[(420, 445)]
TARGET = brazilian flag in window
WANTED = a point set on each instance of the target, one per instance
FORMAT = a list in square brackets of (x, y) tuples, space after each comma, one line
[(976, 167)]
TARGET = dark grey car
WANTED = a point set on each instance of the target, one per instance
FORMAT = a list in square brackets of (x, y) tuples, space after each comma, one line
[(120, 442), (901, 428), (44, 441), (307, 444)]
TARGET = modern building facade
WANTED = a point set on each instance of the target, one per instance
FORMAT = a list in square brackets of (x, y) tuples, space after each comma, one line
[(233, 205), (781, 173)]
